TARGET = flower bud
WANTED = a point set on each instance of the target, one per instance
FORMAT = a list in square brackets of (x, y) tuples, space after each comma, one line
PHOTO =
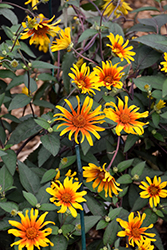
[(60, 231), (50, 130), (107, 218)]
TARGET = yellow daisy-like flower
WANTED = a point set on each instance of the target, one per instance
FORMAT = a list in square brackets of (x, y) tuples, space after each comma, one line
[(83, 120), (145, 245), (39, 29), (122, 8), (84, 80), (133, 229), (33, 3), (109, 75), (125, 117), (102, 178), (26, 92), (120, 49), (164, 63), (159, 105), (64, 40), (30, 230), (69, 174), (154, 190), (66, 196)]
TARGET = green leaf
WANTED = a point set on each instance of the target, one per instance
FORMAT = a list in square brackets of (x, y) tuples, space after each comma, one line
[(43, 65), (17, 80), (114, 212), (124, 165), (43, 156), (139, 203), (67, 161), (2, 153), (155, 81), (43, 123), (10, 15), (90, 221), (86, 34), (101, 224), (54, 230), (108, 237), (2, 135), (6, 180), (48, 175), (138, 169), (95, 207), (154, 41), (68, 60), (151, 217), (24, 130), (164, 88), (48, 207), (130, 141), (158, 243), (5, 73), (159, 213), (90, 158), (26, 49), (124, 179), (43, 103), (85, 147), (9, 206), (115, 29), (4, 5), (30, 198), (74, 2), (19, 101), (29, 180), (164, 115), (51, 142), (145, 8), (155, 119), (159, 137), (2, 98), (67, 228), (142, 27), (30, 83), (10, 160), (60, 242), (46, 77)]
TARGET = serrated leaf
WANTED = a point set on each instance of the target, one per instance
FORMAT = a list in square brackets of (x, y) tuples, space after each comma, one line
[(19, 101), (124, 165), (24, 130), (86, 34), (9, 206), (43, 156), (43, 65), (30, 198), (95, 207), (51, 142), (10, 160), (125, 179), (138, 169), (48, 175), (130, 141), (6, 180), (29, 180), (108, 237)]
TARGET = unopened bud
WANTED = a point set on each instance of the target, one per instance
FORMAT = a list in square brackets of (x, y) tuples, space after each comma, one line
[(4, 52), (153, 131), (29, 64), (107, 218), (14, 212), (50, 130), (38, 205), (60, 231), (135, 177), (115, 169), (14, 63)]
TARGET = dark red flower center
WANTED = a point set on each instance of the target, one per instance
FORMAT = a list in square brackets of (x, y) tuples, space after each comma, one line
[(153, 190), (66, 197), (79, 121), (124, 118), (31, 233)]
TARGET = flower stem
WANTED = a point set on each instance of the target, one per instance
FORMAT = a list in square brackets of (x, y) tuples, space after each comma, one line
[(80, 175), (86, 58), (116, 151)]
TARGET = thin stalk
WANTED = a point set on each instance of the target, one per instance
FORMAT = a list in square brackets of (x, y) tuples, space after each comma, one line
[(80, 175), (86, 58), (116, 151)]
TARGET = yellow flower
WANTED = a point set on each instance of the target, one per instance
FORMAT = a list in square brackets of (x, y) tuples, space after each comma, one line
[(126, 117), (66, 196), (39, 30), (82, 120), (119, 49), (56, 177), (84, 80), (69, 174), (159, 105), (25, 91), (64, 40), (33, 3), (109, 75), (30, 230), (133, 229), (164, 63), (102, 178), (122, 8), (145, 245), (154, 190)]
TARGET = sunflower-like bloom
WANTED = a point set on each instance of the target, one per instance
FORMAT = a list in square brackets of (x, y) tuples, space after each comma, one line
[(122, 8), (145, 245), (119, 49), (102, 178), (33, 3), (64, 40), (133, 229), (39, 29), (159, 105), (109, 75), (154, 190), (66, 195), (164, 63), (82, 120), (125, 117), (84, 80), (30, 230)]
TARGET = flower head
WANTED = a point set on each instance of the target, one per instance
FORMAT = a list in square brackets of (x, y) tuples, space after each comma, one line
[(133, 229), (102, 178), (84, 80), (119, 49), (154, 190), (122, 8), (26, 91), (69, 174), (145, 245), (83, 120), (159, 105), (66, 196), (109, 75), (125, 117), (30, 230), (164, 64), (33, 3), (64, 40), (39, 30)]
